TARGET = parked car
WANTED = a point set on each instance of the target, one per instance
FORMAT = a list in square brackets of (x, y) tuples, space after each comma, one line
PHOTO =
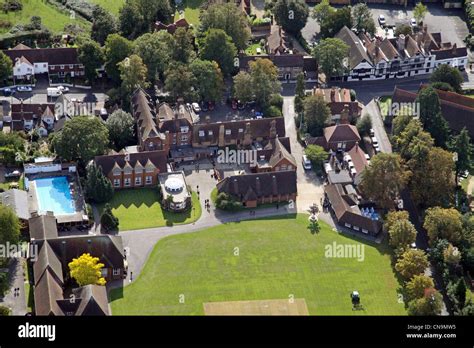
[(374, 140), (376, 148), (307, 163), (63, 89), (382, 20), (8, 92), (372, 132), (413, 23), (24, 89), (53, 92), (196, 108), (14, 174), (327, 167)]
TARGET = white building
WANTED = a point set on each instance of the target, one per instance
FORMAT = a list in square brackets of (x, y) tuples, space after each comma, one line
[(404, 56)]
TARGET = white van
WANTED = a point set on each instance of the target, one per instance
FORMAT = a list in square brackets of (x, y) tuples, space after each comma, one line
[(53, 92), (306, 163)]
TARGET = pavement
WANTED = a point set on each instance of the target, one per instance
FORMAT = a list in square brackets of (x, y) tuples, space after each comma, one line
[(17, 304), (373, 111)]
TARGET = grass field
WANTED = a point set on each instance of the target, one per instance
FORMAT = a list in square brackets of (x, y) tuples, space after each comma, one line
[(278, 258), (140, 208), (51, 17), (110, 5), (191, 11)]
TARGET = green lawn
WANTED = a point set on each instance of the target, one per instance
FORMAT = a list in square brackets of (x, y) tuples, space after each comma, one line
[(51, 17), (110, 5), (252, 49), (278, 257), (140, 208), (191, 11)]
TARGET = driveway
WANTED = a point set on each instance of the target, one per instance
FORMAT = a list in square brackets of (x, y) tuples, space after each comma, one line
[(372, 110), (17, 304)]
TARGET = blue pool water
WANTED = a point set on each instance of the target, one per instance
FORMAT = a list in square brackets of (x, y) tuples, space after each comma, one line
[(54, 195)]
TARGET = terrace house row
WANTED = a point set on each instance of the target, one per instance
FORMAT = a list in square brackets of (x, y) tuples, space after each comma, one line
[(373, 58)]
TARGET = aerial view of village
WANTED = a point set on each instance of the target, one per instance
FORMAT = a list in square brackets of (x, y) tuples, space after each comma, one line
[(236, 158)]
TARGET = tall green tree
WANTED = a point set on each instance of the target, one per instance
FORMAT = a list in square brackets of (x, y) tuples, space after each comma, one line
[(331, 54), (384, 178), (402, 235), (299, 92), (218, 46), (445, 73), (91, 56), (429, 305), (443, 224), (243, 89), (419, 12), (183, 46), (412, 262), (209, 82), (230, 19), (6, 67), (133, 74), (316, 114), (155, 50), (97, 188), (108, 220), (291, 15), (117, 48), (81, 139), (431, 116), (362, 18), (335, 21), (322, 11), (464, 149), (264, 76), (418, 286), (9, 226), (179, 82), (120, 125), (137, 17), (103, 24), (316, 154)]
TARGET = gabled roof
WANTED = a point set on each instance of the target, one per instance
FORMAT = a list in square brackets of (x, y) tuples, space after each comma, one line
[(43, 227), (262, 184), (93, 300), (341, 132), (18, 201), (357, 53), (47, 292), (279, 153), (48, 261), (52, 56), (108, 162)]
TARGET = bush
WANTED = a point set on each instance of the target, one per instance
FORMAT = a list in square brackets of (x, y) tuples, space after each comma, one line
[(3, 283), (276, 100), (364, 124), (4, 311), (12, 5), (227, 202), (273, 111), (108, 220)]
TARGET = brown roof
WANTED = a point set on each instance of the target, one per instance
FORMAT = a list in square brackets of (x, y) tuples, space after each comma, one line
[(43, 227), (93, 300), (357, 53), (341, 132), (258, 128), (280, 61), (347, 211), (281, 152), (171, 120), (52, 56), (358, 158), (171, 28), (145, 115), (109, 249), (259, 185), (27, 111), (457, 109), (158, 158), (277, 40), (48, 261), (47, 292)]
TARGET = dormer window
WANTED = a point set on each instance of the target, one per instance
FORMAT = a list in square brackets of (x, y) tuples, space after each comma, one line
[(227, 132), (241, 130), (184, 129)]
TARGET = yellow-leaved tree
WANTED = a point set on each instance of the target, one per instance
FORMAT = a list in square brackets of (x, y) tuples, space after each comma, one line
[(86, 270)]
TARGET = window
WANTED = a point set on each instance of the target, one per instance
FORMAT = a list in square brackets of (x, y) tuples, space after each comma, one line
[(116, 271), (241, 130), (365, 231), (148, 180), (201, 133), (104, 272), (290, 167), (71, 66), (356, 228), (127, 182), (117, 182), (227, 132), (62, 66), (184, 129), (44, 65), (138, 180), (283, 167), (347, 225), (52, 67), (210, 132), (184, 138)]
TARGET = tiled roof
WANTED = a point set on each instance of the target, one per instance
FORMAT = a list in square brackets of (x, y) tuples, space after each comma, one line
[(107, 162), (357, 53), (341, 132), (52, 56)]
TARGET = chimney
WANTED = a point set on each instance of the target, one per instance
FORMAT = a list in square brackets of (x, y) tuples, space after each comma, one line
[(274, 185), (236, 186), (273, 131), (63, 253), (333, 94), (257, 185), (89, 246), (401, 42), (345, 114)]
